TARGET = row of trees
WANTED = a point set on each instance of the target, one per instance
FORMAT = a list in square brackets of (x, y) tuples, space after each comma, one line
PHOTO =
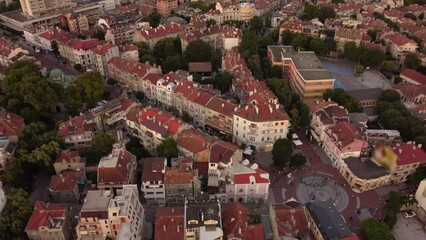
[(368, 57), (394, 115), (321, 12), (300, 41), (221, 81), (339, 96)]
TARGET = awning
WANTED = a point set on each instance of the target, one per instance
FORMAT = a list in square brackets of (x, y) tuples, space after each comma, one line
[(297, 142), (294, 136), (248, 151)]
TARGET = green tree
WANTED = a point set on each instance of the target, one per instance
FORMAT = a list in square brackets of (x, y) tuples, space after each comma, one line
[(102, 144), (249, 44), (339, 96), (166, 48), (397, 80), (99, 34), (351, 51), (295, 118), (287, 37), (412, 61), (276, 72), (216, 60), (15, 215), (371, 57), (78, 67), (281, 152), (330, 44), (256, 24), (136, 148), (374, 229), (300, 42), (173, 63), (388, 66), (372, 33), (168, 149), (389, 95), (411, 16), (359, 69), (211, 23), (87, 88), (198, 51), (153, 19), (297, 160), (318, 46)]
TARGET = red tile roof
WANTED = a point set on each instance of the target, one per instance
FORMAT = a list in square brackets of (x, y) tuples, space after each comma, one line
[(42, 213), (194, 140), (399, 39), (261, 113), (221, 151), (162, 31), (259, 176), (68, 156), (120, 172), (103, 49), (180, 176), (409, 153), (161, 122), (414, 75), (235, 224), (345, 133), (66, 181), (169, 223), (75, 126), (10, 124), (154, 169), (290, 221), (316, 105), (222, 106), (410, 91), (55, 34)]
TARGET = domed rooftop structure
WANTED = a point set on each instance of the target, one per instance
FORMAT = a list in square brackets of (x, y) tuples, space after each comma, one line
[(178, 20)]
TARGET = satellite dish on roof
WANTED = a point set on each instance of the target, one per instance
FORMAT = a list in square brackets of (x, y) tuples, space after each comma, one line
[(254, 166), (245, 162)]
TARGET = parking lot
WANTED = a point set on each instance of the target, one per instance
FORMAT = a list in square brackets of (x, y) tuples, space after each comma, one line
[(408, 229)]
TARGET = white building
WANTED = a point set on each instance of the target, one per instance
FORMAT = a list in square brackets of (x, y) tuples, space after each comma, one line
[(102, 54), (260, 125), (3, 199), (420, 207), (153, 181)]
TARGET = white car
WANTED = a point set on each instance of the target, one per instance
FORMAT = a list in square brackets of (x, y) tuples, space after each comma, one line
[(409, 214)]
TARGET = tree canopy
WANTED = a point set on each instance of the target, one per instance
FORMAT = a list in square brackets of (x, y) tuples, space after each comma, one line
[(412, 61), (321, 12), (339, 96), (136, 148), (102, 144), (374, 229), (281, 152), (168, 149), (198, 51)]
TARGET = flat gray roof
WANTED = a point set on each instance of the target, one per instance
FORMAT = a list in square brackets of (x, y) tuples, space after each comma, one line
[(306, 62), (365, 169), (365, 94)]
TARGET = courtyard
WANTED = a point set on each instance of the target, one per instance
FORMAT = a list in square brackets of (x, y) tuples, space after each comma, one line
[(408, 229)]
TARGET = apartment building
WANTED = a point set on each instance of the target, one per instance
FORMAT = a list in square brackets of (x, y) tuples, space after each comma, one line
[(35, 8), (181, 183), (49, 221), (116, 169), (153, 188), (222, 155), (65, 187), (345, 35), (69, 160), (152, 126), (288, 220), (203, 219), (343, 140), (75, 23), (306, 74), (169, 223), (195, 144), (420, 207), (409, 157), (79, 51), (325, 117), (411, 93), (218, 115), (102, 55), (129, 52), (132, 74), (152, 35), (77, 132), (399, 45), (10, 53), (11, 124), (42, 37), (117, 217), (260, 125), (165, 7), (230, 10), (325, 221)]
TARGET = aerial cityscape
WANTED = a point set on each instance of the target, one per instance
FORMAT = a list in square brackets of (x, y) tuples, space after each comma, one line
[(212, 120)]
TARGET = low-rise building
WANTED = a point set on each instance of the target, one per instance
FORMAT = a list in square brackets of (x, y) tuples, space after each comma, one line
[(170, 223), (181, 183), (399, 45), (203, 219), (79, 51), (69, 160), (153, 188), (367, 97), (345, 35), (11, 52), (260, 125), (411, 93), (65, 187), (75, 23), (413, 77), (236, 224), (10, 125), (288, 220), (102, 54), (165, 7), (306, 74), (117, 169), (420, 206), (49, 221), (325, 221), (343, 140), (382, 135), (77, 132), (152, 35)]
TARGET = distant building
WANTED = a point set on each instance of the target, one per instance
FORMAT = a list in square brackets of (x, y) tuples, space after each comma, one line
[(413, 77), (153, 188), (75, 23), (306, 74), (366, 97), (325, 222), (203, 219), (49, 221), (165, 7), (345, 35), (69, 160), (117, 169), (35, 8)]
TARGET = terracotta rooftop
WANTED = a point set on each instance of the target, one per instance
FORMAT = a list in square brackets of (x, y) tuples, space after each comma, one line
[(235, 224), (161, 122), (399, 39), (344, 133), (68, 156), (409, 153), (179, 176), (116, 167), (221, 151), (410, 91), (414, 75), (66, 181), (170, 223), (290, 219), (43, 213), (162, 31), (75, 126), (194, 140), (10, 124), (261, 113), (154, 169)]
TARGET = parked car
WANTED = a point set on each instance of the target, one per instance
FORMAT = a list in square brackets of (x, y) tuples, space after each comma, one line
[(409, 214)]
